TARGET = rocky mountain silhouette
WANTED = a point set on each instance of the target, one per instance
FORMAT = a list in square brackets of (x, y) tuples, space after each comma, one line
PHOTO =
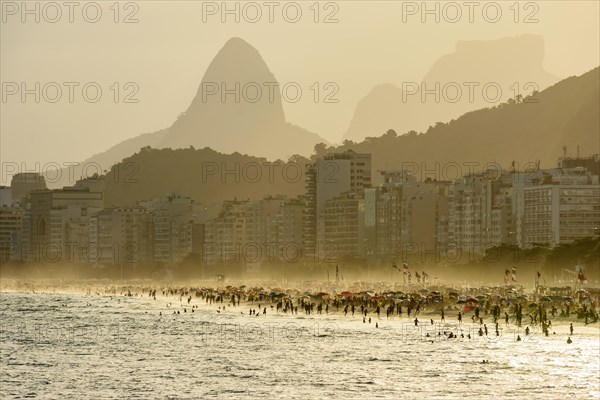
[(465, 80), (238, 107), (563, 114), (248, 124), (529, 131)]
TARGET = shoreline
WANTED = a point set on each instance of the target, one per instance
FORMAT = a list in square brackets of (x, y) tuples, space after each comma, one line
[(175, 301)]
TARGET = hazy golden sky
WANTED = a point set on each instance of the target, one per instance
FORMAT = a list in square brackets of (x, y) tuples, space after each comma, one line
[(168, 50)]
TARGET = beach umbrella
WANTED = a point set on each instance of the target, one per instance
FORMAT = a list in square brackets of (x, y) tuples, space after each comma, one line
[(568, 299)]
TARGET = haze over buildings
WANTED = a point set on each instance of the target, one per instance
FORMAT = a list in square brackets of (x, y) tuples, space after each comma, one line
[(341, 216)]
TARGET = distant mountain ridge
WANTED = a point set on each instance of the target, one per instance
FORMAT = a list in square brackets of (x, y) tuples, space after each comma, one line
[(209, 122), (502, 62), (207, 176), (533, 130), (567, 113)]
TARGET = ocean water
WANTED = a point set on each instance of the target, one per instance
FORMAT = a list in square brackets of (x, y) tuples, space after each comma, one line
[(74, 346)]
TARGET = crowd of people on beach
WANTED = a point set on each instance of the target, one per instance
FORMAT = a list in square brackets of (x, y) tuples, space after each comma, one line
[(485, 306)]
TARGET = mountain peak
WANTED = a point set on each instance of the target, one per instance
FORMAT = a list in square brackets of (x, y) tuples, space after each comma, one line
[(527, 50), (501, 61), (237, 42), (527, 40), (234, 52), (238, 107)]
